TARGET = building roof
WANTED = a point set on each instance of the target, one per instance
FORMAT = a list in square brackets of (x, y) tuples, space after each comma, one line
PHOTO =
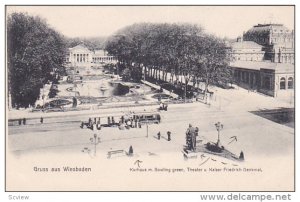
[(256, 65), (245, 45), (267, 28), (79, 47)]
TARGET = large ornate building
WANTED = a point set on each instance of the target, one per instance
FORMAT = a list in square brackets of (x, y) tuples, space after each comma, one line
[(246, 51), (263, 60), (278, 41), (81, 56)]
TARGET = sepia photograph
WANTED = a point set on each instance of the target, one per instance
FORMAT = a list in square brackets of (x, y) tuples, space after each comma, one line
[(150, 98)]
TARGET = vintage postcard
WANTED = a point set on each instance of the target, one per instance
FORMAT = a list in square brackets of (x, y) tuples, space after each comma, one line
[(150, 98)]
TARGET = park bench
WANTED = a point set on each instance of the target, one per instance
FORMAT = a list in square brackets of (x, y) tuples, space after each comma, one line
[(115, 152)]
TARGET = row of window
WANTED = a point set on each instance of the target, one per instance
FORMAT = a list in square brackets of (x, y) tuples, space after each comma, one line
[(281, 39), (290, 84), (282, 85), (247, 58), (275, 30), (287, 59)]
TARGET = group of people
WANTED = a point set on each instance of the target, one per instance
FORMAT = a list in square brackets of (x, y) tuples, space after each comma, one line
[(124, 122), (20, 121), (129, 122), (168, 134), (93, 124), (163, 106)]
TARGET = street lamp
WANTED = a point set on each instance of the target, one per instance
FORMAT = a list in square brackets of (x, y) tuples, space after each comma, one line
[(219, 127), (95, 141), (147, 128)]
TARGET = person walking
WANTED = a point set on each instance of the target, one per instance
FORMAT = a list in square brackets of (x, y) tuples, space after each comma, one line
[(169, 135), (24, 121)]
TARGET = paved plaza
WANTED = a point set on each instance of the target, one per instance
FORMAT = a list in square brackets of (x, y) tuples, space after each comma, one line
[(265, 143)]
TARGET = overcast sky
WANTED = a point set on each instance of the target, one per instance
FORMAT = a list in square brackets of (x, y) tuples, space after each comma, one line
[(223, 21)]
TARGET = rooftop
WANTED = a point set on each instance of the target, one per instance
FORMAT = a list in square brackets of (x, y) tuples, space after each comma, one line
[(266, 28), (245, 45), (256, 65), (79, 47), (266, 25)]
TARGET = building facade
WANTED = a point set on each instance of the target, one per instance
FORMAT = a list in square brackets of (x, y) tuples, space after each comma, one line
[(263, 60), (273, 79), (101, 56), (278, 41), (246, 51), (81, 56)]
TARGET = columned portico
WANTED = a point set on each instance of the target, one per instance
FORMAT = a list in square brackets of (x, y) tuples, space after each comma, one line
[(81, 56)]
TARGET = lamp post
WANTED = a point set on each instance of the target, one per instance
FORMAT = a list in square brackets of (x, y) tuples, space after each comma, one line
[(95, 141), (219, 127), (147, 123)]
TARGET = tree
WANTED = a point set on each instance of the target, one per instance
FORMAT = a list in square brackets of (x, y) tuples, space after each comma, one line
[(183, 50), (34, 52), (212, 62), (126, 74)]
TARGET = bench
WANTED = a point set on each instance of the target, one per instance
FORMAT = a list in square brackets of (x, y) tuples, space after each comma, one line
[(110, 153)]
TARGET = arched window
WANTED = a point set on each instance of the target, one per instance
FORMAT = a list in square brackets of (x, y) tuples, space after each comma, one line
[(282, 83), (290, 83)]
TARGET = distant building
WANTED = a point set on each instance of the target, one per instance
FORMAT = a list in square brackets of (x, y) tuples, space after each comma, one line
[(263, 60), (101, 56), (81, 56), (278, 41), (246, 51)]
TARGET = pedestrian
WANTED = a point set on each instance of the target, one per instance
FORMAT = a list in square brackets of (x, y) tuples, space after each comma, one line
[(241, 157), (113, 120), (130, 151), (95, 121), (20, 122), (24, 121), (161, 105), (158, 135), (131, 123), (158, 118), (98, 127), (135, 123), (90, 122), (95, 127), (108, 121), (122, 119), (42, 120), (169, 135)]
